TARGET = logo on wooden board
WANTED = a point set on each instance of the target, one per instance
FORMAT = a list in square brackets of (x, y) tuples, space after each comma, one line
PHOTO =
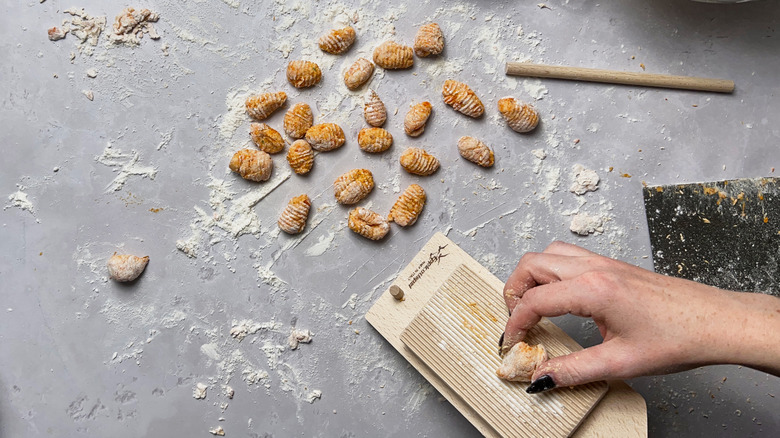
[(433, 258)]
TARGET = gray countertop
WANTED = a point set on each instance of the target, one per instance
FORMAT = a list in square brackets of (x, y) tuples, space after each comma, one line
[(142, 169)]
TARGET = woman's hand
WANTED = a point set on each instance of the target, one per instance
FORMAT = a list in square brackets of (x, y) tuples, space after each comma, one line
[(651, 323)]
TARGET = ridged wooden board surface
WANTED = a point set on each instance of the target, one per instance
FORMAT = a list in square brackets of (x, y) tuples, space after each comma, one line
[(622, 412), (456, 335)]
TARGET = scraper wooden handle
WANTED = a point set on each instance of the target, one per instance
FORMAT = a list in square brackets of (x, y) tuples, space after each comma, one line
[(619, 77)]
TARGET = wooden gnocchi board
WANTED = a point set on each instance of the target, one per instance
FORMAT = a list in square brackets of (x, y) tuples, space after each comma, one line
[(450, 297)]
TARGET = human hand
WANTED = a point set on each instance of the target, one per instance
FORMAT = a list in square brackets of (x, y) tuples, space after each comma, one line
[(651, 323)]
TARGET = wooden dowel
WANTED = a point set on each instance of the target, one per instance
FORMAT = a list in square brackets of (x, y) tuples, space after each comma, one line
[(619, 77)]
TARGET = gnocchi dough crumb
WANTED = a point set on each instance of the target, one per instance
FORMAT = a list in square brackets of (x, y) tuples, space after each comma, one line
[(126, 267)]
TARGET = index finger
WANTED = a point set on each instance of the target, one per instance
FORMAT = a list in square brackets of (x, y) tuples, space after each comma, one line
[(535, 269)]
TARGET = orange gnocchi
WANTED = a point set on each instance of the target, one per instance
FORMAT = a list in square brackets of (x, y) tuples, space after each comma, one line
[(414, 122), (294, 216), (252, 164), (419, 162), (301, 157), (476, 151), (521, 117), (429, 40), (358, 73), (303, 74), (374, 140), (298, 120), (368, 224), (266, 138), (337, 41), (408, 207), (392, 56), (374, 110), (353, 186), (462, 98), (261, 106), (325, 137)]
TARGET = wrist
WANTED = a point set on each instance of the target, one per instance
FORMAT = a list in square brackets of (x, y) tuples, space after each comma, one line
[(748, 331)]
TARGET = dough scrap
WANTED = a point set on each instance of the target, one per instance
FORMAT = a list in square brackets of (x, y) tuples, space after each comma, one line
[(521, 361)]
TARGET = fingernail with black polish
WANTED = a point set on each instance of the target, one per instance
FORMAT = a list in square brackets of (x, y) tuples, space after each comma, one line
[(501, 341), (544, 383)]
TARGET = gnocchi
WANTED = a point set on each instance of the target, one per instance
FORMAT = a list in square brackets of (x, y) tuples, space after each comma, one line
[(252, 164), (476, 151), (368, 224), (325, 137), (358, 73), (520, 362), (521, 117), (298, 120), (408, 207), (301, 157), (429, 40), (294, 216), (126, 267), (337, 41), (374, 110), (462, 98), (303, 74), (266, 138), (414, 122), (261, 106), (353, 186), (419, 162), (374, 140), (392, 56)]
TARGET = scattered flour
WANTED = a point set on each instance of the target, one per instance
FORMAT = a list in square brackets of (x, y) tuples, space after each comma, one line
[(244, 328), (126, 165), (322, 245), (314, 395)]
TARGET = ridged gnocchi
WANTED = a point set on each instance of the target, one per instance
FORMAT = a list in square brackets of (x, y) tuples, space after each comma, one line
[(521, 117), (429, 40), (266, 138), (294, 216), (301, 157), (298, 120), (252, 164), (476, 151), (325, 137), (408, 207), (521, 361), (462, 98), (261, 106), (353, 186), (303, 74), (358, 73), (368, 224), (414, 122), (419, 162), (374, 110), (392, 56), (337, 41), (374, 140)]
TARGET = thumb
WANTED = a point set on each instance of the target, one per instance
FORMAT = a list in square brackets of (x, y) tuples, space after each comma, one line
[(600, 362)]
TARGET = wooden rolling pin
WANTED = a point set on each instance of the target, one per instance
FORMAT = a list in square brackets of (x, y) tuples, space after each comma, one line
[(619, 77)]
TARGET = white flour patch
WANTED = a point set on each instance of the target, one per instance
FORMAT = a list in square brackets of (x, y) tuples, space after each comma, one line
[(126, 165), (20, 200), (323, 244), (535, 88), (314, 395)]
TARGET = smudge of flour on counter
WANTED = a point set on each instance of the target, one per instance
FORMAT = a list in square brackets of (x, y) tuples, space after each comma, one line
[(535, 88), (246, 327), (584, 180), (323, 244), (126, 165), (314, 395), (268, 277)]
